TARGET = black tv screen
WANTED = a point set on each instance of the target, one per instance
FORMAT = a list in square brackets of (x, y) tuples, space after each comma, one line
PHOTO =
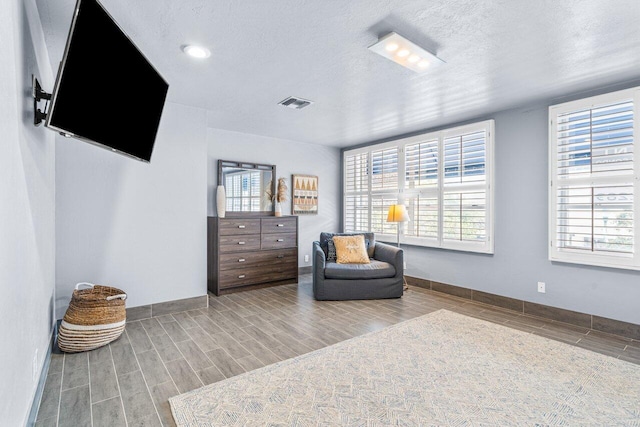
[(106, 93)]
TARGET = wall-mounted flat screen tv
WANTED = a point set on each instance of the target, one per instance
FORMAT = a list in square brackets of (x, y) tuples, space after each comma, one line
[(106, 93)]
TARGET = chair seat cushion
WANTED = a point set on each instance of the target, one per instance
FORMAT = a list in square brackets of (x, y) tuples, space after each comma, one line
[(373, 270)]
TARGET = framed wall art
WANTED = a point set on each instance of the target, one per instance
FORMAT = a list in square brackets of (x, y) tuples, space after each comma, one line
[(304, 200)]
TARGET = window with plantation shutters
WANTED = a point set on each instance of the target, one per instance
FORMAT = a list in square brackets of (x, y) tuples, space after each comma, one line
[(593, 178), (443, 178), (356, 190), (384, 190), (421, 160), (465, 187)]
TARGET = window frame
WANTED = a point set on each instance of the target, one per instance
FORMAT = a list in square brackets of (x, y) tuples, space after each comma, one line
[(402, 194), (578, 256)]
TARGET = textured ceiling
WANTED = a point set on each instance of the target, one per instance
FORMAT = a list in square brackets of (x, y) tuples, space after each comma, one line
[(499, 54)]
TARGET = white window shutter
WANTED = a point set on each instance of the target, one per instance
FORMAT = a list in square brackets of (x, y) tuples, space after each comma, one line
[(593, 177), (356, 192), (356, 173), (384, 169), (421, 164), (423, 216), (465, 216), (466, 201), (380, 205), (356, 213)]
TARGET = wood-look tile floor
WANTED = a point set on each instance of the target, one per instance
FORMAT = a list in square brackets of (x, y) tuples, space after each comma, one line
[(128, 382)]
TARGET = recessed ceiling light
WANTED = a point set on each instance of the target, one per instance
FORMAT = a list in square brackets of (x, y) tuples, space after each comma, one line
[(405, 53), (196, 51)]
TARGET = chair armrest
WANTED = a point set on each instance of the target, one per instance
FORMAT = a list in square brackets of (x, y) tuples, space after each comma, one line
[(391, 254), (319, 260)]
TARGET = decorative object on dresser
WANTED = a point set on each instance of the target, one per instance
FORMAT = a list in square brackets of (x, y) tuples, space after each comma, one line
[(281, 196), (245, 253), (304, 198), (221, 201)]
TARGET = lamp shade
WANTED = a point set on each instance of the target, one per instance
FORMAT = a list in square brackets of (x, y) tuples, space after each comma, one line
[(397, 213)]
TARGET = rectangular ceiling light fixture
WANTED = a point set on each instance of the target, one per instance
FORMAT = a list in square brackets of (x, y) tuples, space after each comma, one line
[(406, 53)]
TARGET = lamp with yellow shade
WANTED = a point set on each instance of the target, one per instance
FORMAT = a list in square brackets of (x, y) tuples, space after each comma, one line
[(397, 214)]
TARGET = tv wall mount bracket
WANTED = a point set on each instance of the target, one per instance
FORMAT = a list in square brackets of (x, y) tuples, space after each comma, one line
[(39, 95)]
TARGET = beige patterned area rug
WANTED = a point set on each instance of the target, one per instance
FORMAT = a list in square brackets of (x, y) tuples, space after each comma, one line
[(439, 369)]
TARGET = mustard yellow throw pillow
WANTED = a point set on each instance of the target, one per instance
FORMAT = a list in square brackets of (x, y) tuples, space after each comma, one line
[(351, 249)]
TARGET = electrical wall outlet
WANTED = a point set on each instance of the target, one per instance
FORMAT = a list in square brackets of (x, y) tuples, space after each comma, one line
[(542, 287), (405, 265), (306, 258)]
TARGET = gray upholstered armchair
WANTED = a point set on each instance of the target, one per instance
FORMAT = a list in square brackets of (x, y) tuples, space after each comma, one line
[(382, 278)]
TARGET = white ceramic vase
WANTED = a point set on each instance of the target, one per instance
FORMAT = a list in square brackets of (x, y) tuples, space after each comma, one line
[(278, 209), (221, 201)]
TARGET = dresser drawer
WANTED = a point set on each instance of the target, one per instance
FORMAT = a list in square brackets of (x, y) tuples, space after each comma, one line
[(236, 226), (277, 241), (239, 243), (257, 274), (278, 225), (250, 259)]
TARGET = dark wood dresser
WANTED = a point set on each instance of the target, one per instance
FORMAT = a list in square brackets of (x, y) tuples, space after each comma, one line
[(246, 253)]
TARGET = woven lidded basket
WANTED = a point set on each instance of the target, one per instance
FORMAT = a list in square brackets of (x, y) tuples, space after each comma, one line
[(95, 317)]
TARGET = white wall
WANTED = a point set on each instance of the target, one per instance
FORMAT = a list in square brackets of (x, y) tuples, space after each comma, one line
[(290, 158), (139, 227), (27, 229)]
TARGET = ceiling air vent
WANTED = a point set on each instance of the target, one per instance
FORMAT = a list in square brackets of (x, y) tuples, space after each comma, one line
[(295, 103)]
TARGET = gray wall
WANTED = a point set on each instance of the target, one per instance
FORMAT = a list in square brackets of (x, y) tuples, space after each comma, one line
[(521, 236), (27, 229), (139, 227), (290, 158)]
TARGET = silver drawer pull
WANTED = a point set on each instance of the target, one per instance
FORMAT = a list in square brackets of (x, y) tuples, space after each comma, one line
[(280, 256), (280, 240), (242, 276), (241, 260), (241, 243), (242, 226), (280, 225)]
